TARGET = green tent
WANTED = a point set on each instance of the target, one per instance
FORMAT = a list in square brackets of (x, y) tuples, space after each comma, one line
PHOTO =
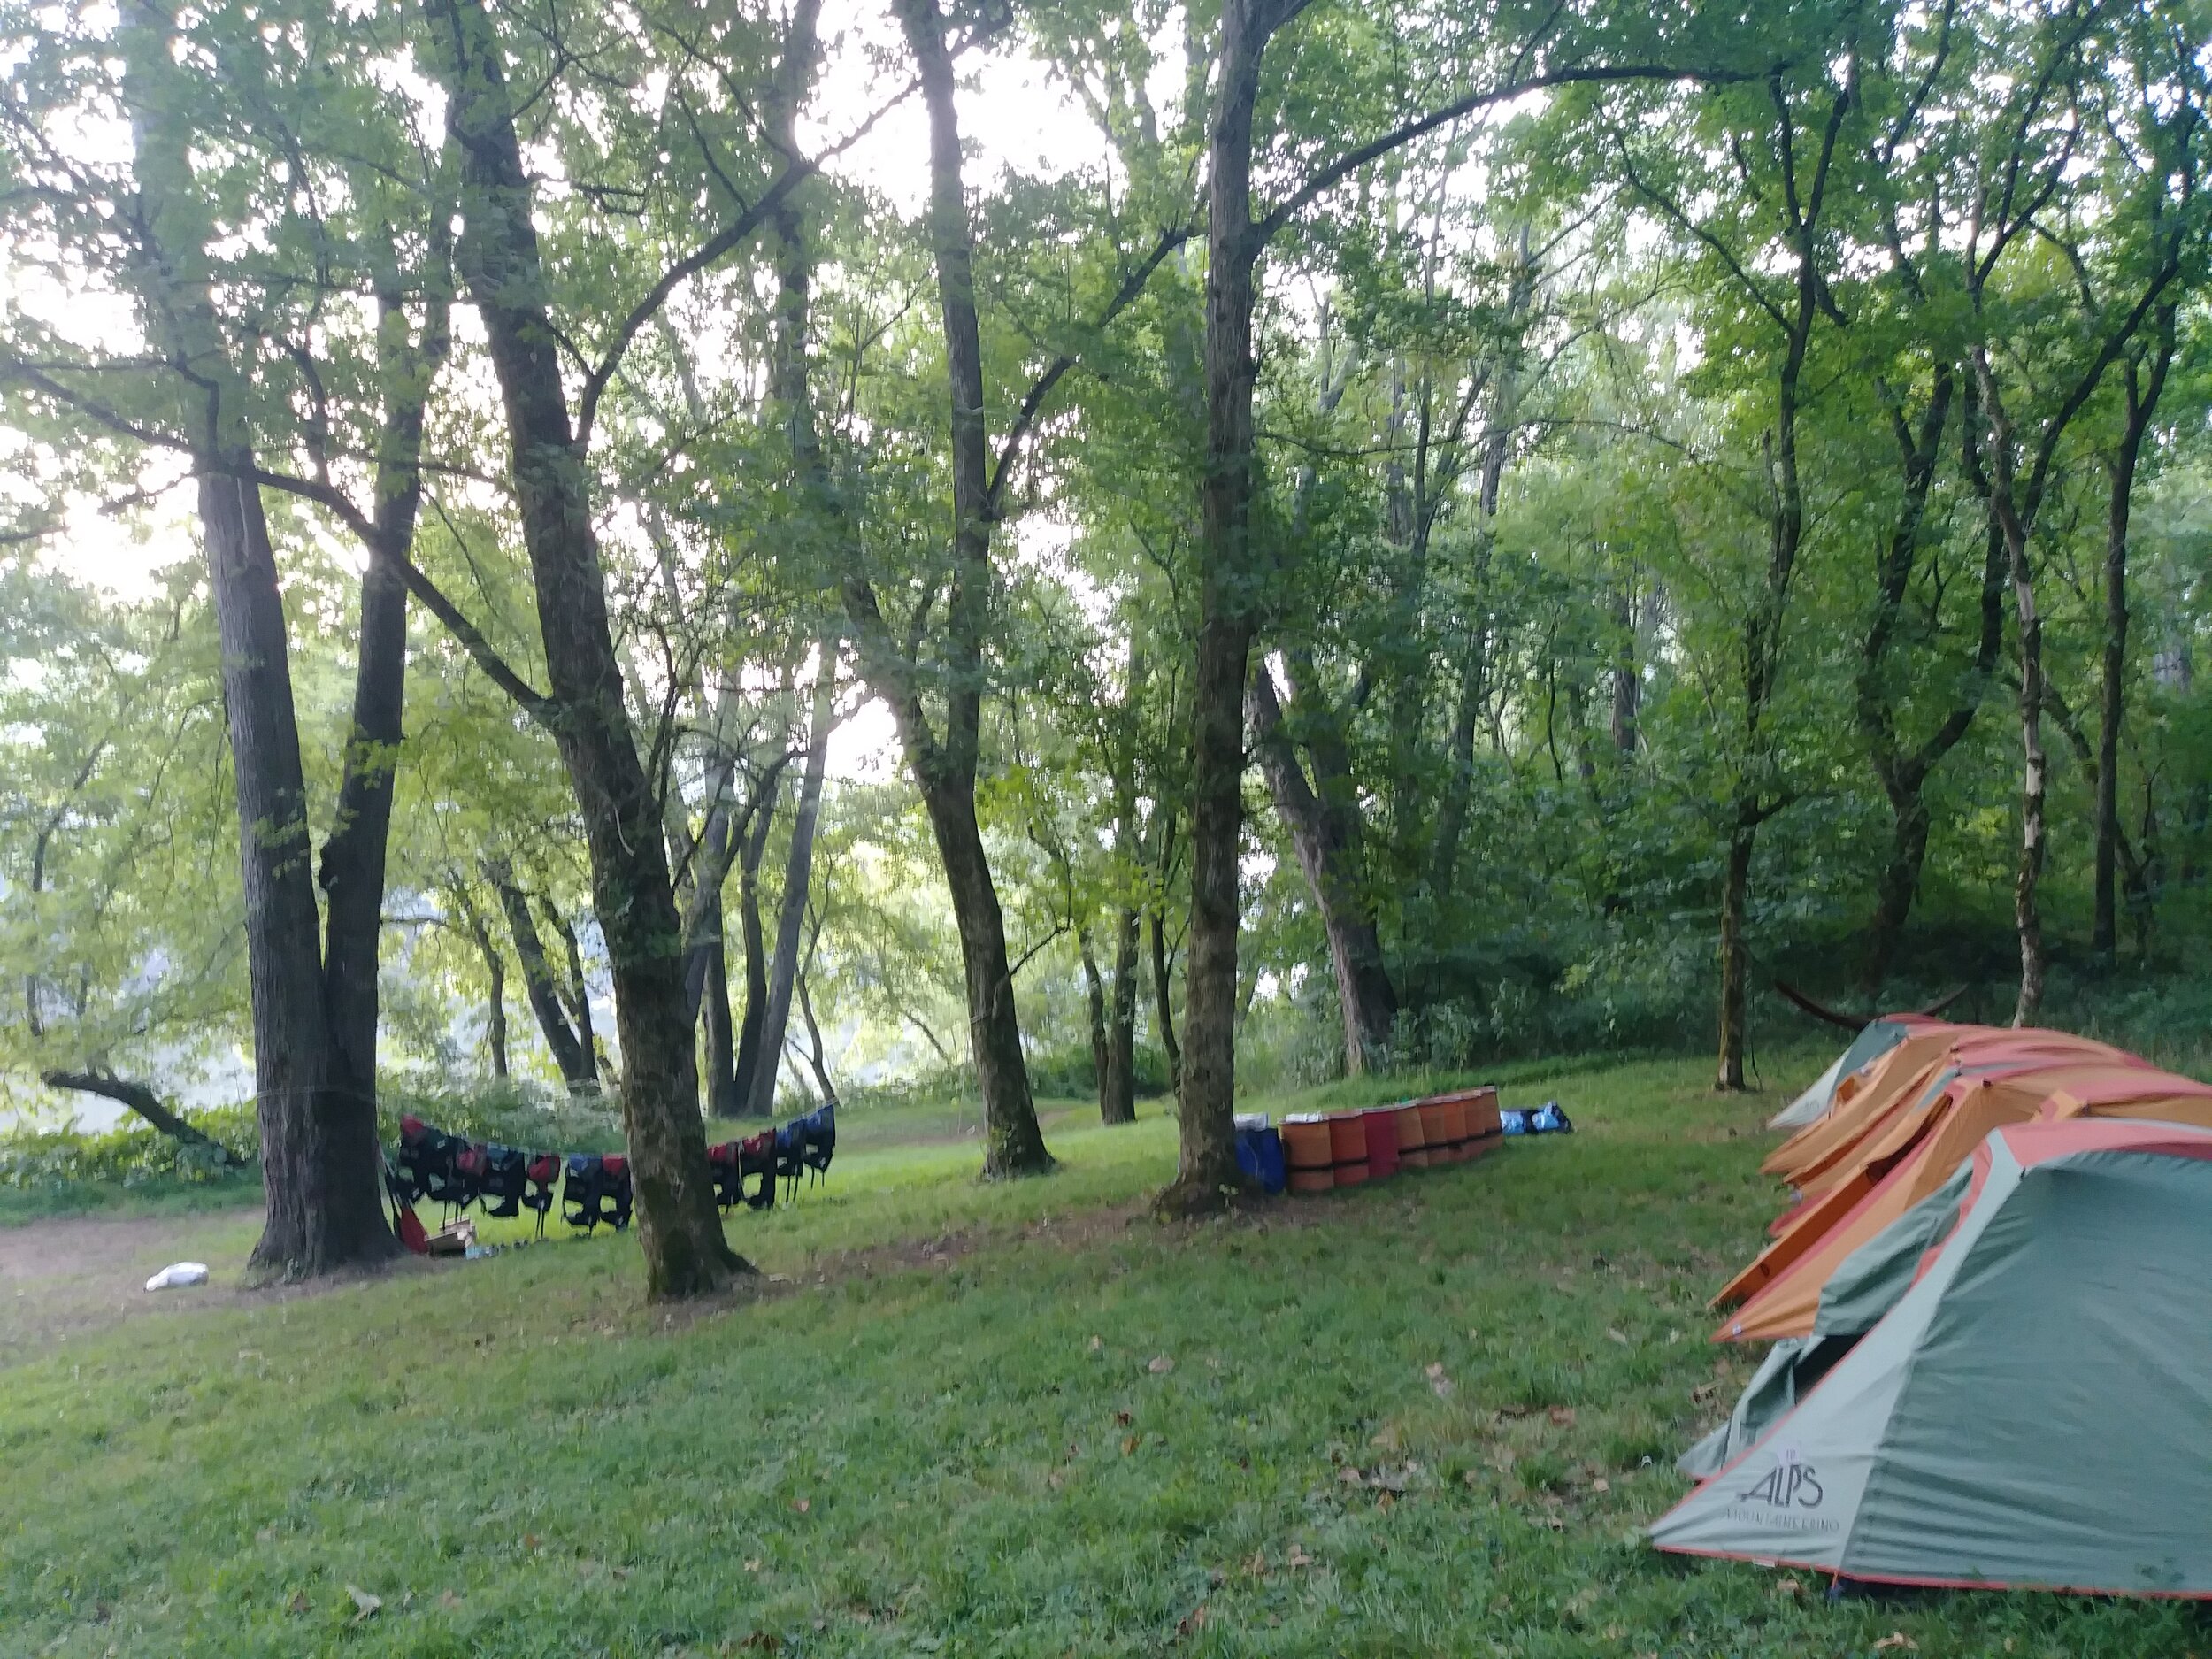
[(2031, 1403), (1877, 1040)]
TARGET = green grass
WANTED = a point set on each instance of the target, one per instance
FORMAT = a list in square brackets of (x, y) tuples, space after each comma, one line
[(970, 1452), (159, 1196)]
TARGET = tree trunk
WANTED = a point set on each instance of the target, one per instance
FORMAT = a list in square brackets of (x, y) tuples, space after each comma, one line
[(1094, 989), (495, 978), (750, 941), (1321, 832), (797, 877), (575, 990), (1734, 957), (569, 1056), (946, 771), (1164, 1004), (351, 873), (2142, 404), (1118, 1086), (818, 1059), (318, 1153), (679, 1229), (1628, 682), (1207, 1166), (723, 1099), (320, 1156), (142, 1099)]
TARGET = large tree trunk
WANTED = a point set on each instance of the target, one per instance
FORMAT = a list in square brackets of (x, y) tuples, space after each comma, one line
[(1207, 1165), (569, 1056), (2142, 404), (797, 877), (320, 1156), (353, 861), (1324, 834), (679, 1227)]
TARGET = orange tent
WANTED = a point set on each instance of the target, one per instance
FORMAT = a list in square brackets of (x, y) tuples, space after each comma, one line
[(1907, 1080), (1901, 1168)]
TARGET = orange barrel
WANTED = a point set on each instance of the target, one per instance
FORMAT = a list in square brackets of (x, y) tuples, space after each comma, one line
[(1436, 1130), (1348, 1138), (1381, 1123), (1307, 1154), (1456, 1127), (1413, 1147), (1482, 1127)]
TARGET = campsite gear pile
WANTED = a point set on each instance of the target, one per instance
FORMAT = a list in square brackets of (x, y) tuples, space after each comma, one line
[(1319, 1152), (593, 1188), (1993, 1320)]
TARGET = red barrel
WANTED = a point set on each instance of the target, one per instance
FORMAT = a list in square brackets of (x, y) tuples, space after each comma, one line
[(1382, 1142), (1413, 1147), (1347, 1141), (1308, 1155)]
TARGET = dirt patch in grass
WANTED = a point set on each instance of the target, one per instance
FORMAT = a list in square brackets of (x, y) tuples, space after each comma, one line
[(71, 1276)]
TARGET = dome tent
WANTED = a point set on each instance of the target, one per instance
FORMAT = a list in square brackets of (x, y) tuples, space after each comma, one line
[(2034, 1408)]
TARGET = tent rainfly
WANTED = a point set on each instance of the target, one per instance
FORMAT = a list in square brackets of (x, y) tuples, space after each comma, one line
[(2029, 1405)]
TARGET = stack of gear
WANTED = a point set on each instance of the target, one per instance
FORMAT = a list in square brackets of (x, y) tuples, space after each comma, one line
[(1320, 1152), (1992, 1325)]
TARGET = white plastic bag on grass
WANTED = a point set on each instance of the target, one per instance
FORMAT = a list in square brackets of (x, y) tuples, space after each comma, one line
[(178, 1274)]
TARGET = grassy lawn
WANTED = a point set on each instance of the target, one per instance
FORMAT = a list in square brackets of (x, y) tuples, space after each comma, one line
[(1427, 1417)]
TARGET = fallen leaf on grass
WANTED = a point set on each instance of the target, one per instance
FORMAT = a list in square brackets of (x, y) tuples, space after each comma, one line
[(1121, 1417), (365, 1605), (1192, 1622), (801, 1505), (1298, 1556), (299, 1604), (1898, 1641), (1704, 1392), (1097, 1343), (1053, 1480), (1787, 1587), (761, 1641), (1386, 1502), (1617, 1336), (1129, 1445), (1161, 1366), (1257, 1568), (1438, 1381), (448, 1600), (1601, 1484), (1564, 1416)]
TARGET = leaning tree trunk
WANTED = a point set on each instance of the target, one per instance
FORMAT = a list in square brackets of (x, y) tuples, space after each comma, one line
[(569, 1055), (1321, 837), (723, 1099), (679, 1227), (141, 1099), (798, 876)]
